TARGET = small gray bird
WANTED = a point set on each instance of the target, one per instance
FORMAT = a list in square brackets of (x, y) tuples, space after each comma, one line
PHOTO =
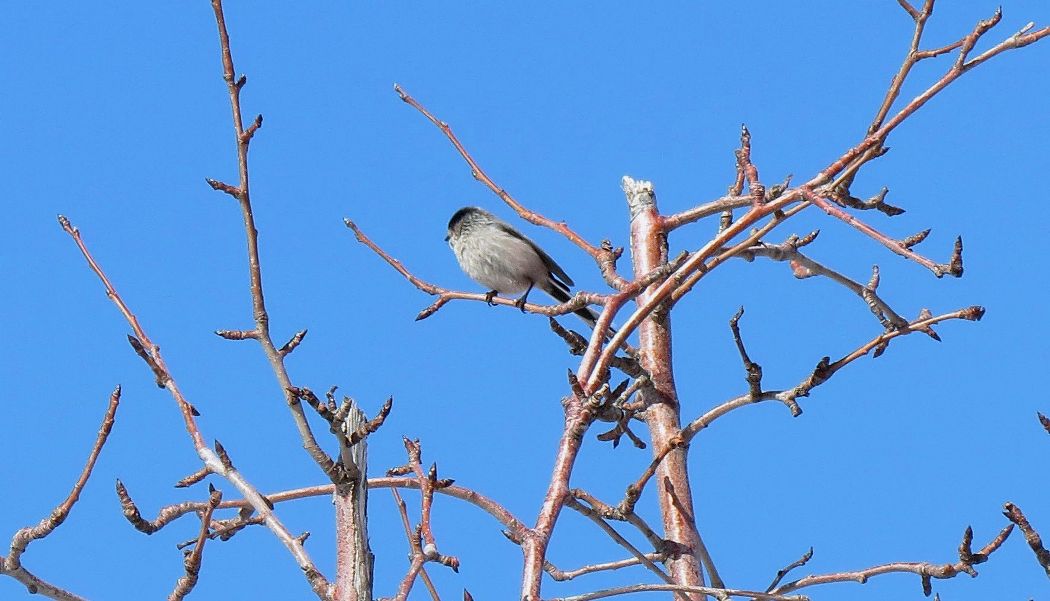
[(501, 258)]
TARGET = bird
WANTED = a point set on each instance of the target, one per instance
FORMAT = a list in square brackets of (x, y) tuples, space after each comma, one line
[(494, 254)]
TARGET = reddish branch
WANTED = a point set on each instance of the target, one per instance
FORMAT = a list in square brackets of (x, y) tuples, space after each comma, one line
[(953, 267), (11, 564), (580, 413), (422, 544), (747, 168), (881, 129), (144, 346), (649, 232), (817, 187), (780, 215), (649, 251), (597, 362), (427, 483), (216, 462), (714, 207)]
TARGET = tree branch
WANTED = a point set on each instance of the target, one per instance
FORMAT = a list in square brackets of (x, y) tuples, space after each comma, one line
[(924, 570), (11, 564), (242, 193), (192, 562), (1015, 515), (718, 593), (216, 461)]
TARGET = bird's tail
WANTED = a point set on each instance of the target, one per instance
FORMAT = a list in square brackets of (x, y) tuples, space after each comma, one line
[(562, 296)]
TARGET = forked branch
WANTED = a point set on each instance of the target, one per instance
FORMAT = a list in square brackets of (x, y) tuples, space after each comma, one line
[(216, 461), (242, 193)]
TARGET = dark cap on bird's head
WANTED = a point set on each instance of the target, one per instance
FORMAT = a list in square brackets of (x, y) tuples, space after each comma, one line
[(459, 216)]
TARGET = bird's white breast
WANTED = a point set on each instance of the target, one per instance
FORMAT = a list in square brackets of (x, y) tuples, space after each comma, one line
[(499, 261)]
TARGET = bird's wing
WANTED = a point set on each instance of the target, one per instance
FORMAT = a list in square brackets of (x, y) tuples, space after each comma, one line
[(552, 266)]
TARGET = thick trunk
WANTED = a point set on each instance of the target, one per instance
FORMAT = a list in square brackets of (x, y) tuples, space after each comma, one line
[(649, 251)]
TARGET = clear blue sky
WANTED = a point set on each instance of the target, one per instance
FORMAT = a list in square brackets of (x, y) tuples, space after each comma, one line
[(114, 114)]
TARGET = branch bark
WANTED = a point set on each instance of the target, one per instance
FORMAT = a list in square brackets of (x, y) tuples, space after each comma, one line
[(353, 556)]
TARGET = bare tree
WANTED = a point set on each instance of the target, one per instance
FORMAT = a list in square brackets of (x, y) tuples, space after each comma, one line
[(643, 395)]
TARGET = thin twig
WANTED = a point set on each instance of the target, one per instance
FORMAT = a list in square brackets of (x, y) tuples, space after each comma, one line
[(11, 564), (924, 570), (803, 267), (877, 135), (562, 575), (426, 487), (784, 571), (953, 267), (23, 537), (1015, 515), (212, 459), (417, 558), (515, 528), (718, 593), (192, 562), (824, 370), (752, 369), (151, 350), (592, 515)]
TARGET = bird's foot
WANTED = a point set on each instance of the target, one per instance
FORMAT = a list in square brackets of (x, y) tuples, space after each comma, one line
[(520, 303), (491, 294)]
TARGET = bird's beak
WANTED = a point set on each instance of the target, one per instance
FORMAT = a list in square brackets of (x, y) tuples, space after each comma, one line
[(447, 237)]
